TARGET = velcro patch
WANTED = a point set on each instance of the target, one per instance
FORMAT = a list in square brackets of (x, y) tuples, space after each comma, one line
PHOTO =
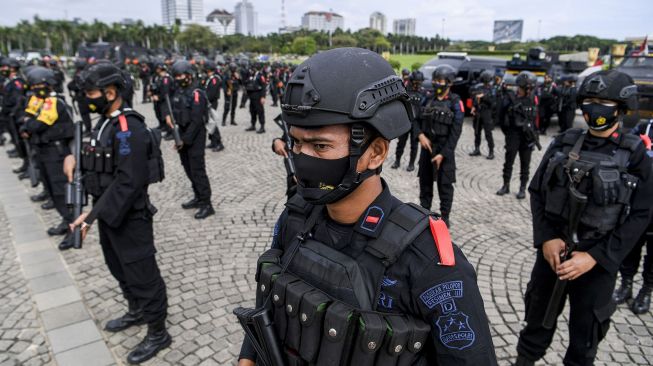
[(373, 218)]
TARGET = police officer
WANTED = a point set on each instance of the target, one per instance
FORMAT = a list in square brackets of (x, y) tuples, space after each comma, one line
[(642, 302), (211, 86), (256, 86), (567, 103), (145, 74), (48, 125), (190, 108), (611, 171), (13, 95), (118, 180), (53, 65), (245, 72), (546, 94), (417, 95), (363, 281), (484, 100), (78, 96), (161, 88), (520, 110), (438, 134), (230, 86)]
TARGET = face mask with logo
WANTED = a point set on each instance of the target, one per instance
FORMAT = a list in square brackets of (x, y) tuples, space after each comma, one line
[(439, 89), (599, 117), (40, 92), (185, 82), (98, 105)]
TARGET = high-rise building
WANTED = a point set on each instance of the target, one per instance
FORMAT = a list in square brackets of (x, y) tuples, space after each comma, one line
[(182, 11), (404, 27), (325, 21), (246, 18), (221, 22), (378, 21)]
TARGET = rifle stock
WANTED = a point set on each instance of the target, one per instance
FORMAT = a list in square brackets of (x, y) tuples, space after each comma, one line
[(75, 192), (175, 128), (258, 327), (32, 170), (290, 164)]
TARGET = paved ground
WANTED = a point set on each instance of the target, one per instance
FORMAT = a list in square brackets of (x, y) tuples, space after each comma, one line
[(208, 266)]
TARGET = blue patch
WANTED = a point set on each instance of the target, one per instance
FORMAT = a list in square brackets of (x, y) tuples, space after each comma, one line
[(455, 332), (124, 148), (388, 282), (443, 294), (372, 219), (385, 300)]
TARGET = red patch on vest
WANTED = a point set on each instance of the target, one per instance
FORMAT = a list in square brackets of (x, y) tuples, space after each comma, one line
[(372, 219), (646, 140), (462, 107), (18, 84), (165, 81), (443, 243), (537, 100), (615, 134), (123, 123), (214, 81), (197, 97)]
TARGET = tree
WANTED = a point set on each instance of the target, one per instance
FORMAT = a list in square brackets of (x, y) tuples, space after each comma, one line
[(304, 46), (344, 40), (197, 37)]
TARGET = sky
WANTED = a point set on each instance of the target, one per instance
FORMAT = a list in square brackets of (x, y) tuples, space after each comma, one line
[(463, 19)]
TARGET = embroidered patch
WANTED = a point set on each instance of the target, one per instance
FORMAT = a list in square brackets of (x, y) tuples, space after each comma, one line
[(455, 332), (373, 218), (124, 148), (388, 282), (385, 300), (443, 294)]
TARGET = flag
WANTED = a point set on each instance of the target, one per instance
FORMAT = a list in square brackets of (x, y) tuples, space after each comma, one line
[(643, 48)]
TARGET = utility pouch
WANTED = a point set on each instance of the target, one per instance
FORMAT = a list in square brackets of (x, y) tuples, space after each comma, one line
[(294, 294), (340, 323), (279, 301), (369, 339), (397, 334), (419, 332), (311, 315)]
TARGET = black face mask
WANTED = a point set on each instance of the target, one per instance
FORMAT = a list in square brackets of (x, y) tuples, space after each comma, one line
[(40, 92), (184, 83), (601, 117), (439, 89), (98, 105), (322, 181), (4, 72)]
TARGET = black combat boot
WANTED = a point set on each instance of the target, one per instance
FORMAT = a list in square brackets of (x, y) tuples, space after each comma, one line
[(523, 361), (395, 165), (48, 205), (410, 167), (40, 197), (624, 292), (261, 130), (219, 147), (642, 301), (67, 242), (156, 339), (60, 229), (134, 316), (21, 169), (476, 152), (233, 122), (250, 128), (490, 156), (194, 203), (505, 189), (224, 121), (23, 175), (213, 143), (204, 212), (522, 192), (12, 153)]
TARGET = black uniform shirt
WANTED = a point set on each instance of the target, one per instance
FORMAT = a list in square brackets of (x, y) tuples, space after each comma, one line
[(609, 251), (447, 298)]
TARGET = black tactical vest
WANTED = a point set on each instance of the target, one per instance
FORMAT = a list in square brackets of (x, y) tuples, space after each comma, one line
[(182, 104), (602, 177), (325, 304), (522, 111), (437, 118)]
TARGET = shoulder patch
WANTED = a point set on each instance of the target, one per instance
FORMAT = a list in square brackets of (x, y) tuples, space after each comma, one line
[(373, 218), (443, 243), (461, 106), (18, 84), (124, 148), (165, 80), (214, 81), (122, 120)]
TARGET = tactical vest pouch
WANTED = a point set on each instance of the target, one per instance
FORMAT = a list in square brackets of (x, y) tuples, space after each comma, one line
[(340, 323), (441, 121), (268, 273), (312, 311), (279, 301), (371, 331), (88, 157), (419, 332), (395, 340), (99, 160), (155, 163), (108, 162), (294, 294), (555, 185)]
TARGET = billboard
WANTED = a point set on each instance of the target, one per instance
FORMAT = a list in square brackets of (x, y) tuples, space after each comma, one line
[(507, 31)]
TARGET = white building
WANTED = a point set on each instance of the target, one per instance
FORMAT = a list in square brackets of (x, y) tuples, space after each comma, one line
[(378, 21), (182, 11), (221, 22), (246, 18), (322, 21), (404, 27)]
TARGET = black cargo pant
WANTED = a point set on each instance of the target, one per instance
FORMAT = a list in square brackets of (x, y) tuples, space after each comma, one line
[(445, 177), (256, 108), (516, 144), (159, 108), (545, 111), (230, 104), (50, 161), (566, 118), (192, 159), (590, 305), (401, 145), (484, 123), (129, 253), (630, 265), (243, 100)]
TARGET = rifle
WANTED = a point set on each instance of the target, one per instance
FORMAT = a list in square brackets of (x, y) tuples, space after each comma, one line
[(577, 202), (531, 136), (288, 162), (75, 195), (32, 170), (175, 129), (259, 329)]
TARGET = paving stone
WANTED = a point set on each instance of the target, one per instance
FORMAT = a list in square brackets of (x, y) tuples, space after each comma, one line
[(73, 336), (53, 298), (95, 354), (64, 315)]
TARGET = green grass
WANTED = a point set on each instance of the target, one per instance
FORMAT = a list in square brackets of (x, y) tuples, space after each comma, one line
[(407, 60)]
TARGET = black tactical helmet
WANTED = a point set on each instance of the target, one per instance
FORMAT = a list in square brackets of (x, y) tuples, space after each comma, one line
[(80, 64), (405, 72), (611, 85), (526, 80), (182, 67), (233, 66), (416, 76), (101, 75), (347, 86), (444, 72), (10, 62), (209, 65), (41, 75), (159, 64), (486, 76)]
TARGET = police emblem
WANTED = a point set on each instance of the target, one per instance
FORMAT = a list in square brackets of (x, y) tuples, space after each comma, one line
[(455, 332), (600, 121)]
